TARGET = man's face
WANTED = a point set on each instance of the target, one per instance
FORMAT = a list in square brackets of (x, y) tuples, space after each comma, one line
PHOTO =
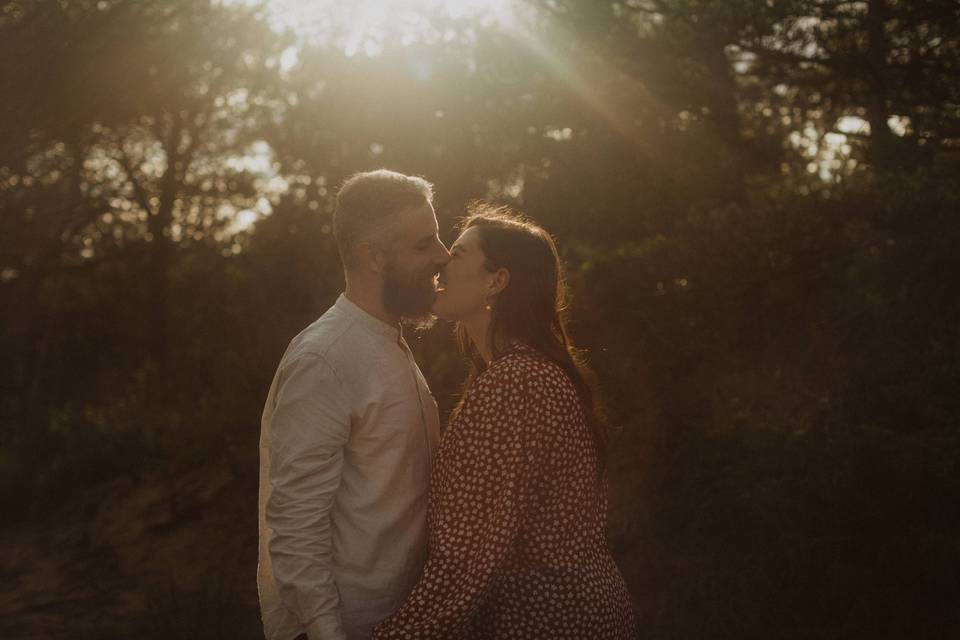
[(412, 264)]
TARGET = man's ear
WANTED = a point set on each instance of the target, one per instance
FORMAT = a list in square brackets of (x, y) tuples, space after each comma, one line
[(499, 282), (370, 257)]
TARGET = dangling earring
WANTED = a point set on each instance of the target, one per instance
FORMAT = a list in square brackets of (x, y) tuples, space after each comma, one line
[(487, 305)]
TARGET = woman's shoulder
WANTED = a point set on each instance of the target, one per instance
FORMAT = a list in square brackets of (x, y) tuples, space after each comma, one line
[(519, 385), (523, 369)]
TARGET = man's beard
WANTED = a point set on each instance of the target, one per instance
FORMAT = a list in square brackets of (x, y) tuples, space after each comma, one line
[(409, 295)]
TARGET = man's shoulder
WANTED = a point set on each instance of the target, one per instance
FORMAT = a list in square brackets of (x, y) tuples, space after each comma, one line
[(339, 340), (320, 338)]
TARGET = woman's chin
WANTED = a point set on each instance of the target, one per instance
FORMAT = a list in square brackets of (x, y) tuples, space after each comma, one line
[(441, 314), (440, 311)]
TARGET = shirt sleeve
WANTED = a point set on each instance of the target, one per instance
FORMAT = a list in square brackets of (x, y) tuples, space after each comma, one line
[(480, 497), (311, 426)]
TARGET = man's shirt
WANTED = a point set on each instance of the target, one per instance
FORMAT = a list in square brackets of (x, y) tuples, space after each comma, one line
[(347, 436)]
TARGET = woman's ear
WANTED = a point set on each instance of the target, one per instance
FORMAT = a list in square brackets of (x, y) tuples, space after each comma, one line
[(499, 281)]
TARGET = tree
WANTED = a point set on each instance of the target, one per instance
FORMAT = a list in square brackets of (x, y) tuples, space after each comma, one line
[(135, 132)]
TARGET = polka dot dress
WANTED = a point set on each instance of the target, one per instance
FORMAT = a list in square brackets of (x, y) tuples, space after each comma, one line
[(517, 519)]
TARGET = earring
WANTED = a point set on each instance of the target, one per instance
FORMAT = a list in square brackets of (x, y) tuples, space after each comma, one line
[(487, 306)]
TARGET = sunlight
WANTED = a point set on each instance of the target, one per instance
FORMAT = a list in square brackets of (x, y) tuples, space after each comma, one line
[(366, 24), (588, 82)]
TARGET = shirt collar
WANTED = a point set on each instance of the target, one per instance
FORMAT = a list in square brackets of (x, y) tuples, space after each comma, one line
[(392, 332)]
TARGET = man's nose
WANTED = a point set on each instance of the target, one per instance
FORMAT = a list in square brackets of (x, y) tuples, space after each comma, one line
[(443, 256)]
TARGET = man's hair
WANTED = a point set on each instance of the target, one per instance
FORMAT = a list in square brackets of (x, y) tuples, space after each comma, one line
[(368, 204)]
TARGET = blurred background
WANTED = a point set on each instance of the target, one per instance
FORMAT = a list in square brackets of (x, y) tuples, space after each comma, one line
[(756, 201)]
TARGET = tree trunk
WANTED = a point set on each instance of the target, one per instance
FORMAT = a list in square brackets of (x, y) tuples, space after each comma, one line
[(161, 251), (725, 120), (881, 152)]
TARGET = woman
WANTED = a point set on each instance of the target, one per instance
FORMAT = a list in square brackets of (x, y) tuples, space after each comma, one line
[(517, 511)]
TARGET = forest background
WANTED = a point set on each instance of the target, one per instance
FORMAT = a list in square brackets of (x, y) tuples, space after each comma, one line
[(756, 203)]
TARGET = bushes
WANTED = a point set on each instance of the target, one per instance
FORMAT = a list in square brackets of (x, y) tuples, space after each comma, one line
[(785, 383)]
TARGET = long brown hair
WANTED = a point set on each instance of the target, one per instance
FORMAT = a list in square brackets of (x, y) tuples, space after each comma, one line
[(533, 307)]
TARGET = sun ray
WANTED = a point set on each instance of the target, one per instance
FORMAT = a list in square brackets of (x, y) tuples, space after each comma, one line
[(590, 89)]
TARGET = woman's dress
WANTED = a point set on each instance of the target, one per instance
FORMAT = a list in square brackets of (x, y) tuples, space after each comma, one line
[(517, 518)]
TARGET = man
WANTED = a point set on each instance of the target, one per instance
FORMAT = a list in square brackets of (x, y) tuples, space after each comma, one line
[(350, 426)]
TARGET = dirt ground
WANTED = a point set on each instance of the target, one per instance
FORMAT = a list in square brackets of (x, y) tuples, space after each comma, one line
[(163, 555)]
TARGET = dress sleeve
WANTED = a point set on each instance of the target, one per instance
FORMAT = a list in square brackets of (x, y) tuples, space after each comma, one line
[(481, 491), (311, 425)]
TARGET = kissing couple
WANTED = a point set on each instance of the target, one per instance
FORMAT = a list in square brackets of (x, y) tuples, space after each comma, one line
[(372, 522)]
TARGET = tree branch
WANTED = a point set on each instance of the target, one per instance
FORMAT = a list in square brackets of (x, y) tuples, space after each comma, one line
[(139, 192)]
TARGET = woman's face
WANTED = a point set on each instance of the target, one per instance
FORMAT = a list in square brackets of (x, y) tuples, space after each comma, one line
[(465, 284)]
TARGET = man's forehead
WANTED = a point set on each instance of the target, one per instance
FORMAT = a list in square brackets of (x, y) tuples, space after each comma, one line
[(418, 220)]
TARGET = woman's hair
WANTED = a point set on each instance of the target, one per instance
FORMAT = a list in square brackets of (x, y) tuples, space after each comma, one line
[(533, 306)]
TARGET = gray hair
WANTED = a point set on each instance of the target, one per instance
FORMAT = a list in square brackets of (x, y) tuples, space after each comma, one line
[(368, 204)]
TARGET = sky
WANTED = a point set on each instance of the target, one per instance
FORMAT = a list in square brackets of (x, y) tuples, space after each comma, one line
[(363, 25)]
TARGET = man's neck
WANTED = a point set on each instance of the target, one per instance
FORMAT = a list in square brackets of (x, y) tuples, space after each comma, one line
[(370, 302)]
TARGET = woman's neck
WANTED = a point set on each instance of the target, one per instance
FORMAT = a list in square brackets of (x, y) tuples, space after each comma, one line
[(478, 330)]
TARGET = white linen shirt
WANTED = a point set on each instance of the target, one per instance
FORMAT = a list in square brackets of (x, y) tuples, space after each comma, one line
[(346, 441)]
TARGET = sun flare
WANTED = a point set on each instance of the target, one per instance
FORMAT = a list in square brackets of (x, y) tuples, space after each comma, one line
[(364, 25)]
